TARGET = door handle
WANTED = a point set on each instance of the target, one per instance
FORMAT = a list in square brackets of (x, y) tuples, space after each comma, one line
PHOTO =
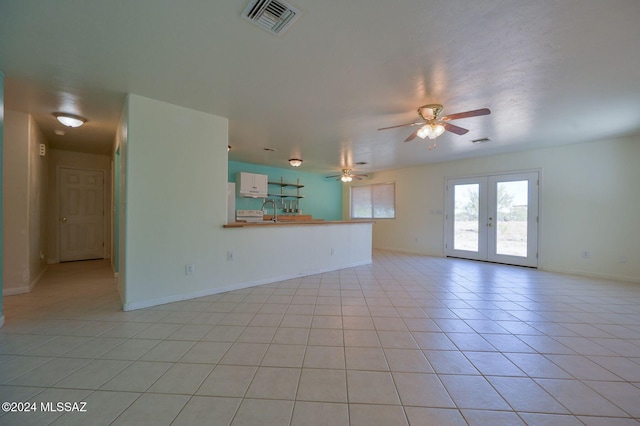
[(490, 222), (63, 220)]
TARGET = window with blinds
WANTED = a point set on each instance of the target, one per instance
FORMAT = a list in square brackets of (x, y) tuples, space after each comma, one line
[(375, 201)]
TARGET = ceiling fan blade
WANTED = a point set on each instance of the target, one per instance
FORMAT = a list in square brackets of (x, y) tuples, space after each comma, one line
[(454, 129), (413, 135), (361, 175), (329, 177), (402, 125), (466, 114)]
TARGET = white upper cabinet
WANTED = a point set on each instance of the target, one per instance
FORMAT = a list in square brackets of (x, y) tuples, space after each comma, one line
[(252, 185)]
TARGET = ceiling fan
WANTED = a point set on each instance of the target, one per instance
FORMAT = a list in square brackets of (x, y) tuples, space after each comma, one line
[(348, 175), (432, 125)]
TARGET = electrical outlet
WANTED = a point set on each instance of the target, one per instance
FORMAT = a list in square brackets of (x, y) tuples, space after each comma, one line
[(585, 254), (189, 269), (333, 251), (231, 255)]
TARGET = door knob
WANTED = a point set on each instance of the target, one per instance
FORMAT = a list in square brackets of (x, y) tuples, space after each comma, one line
[(63, 220)]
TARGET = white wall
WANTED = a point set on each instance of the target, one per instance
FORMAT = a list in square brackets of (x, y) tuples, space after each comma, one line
[(57, 159), (24, 203), (15, 203), (1, 188), (176, 190), (588, 201), (121, 143), (38, 207), (174, 162)]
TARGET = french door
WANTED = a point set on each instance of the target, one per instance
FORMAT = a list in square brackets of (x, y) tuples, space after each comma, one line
[(493, 218)]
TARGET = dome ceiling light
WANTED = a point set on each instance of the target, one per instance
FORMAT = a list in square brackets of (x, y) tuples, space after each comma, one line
[(70, 120)]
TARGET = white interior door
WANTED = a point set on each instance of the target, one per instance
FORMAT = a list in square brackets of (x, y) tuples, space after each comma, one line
[(81, 214), (493, 218)]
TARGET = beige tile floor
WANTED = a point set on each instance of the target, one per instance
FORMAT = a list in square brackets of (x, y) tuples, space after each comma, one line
[(406, 340)]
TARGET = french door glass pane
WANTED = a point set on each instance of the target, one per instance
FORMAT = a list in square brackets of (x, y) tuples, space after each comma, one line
[(511, 221), (466, 217)]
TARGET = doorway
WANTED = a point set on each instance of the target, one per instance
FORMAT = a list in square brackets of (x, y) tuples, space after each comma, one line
[(493, 218), (81, 214)]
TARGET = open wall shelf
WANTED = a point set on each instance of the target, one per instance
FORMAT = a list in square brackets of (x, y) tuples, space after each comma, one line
[(283, 194)]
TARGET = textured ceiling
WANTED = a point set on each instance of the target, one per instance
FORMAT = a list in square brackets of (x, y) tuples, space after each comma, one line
[(552, 72)]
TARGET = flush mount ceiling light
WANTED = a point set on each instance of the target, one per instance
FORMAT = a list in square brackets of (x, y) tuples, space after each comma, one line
[(70, 120), (295, 162)]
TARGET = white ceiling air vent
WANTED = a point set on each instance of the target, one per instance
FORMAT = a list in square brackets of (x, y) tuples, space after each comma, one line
[(481, 140), (272, 15)]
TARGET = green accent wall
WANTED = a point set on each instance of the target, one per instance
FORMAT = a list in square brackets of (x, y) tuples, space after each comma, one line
[(322, 196)]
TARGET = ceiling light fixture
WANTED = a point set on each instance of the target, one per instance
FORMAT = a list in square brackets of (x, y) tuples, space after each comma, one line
[(70, 120), (295, 162), (347, 175), (430, 130)]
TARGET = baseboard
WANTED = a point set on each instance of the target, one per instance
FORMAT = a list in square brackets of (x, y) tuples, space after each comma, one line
[(120, 292), (409, 251), (591, 275), (16, 290), (209, 292), (38, 278), (24, 288)]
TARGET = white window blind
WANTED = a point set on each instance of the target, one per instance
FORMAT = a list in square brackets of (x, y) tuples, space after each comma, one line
[(373, 201)]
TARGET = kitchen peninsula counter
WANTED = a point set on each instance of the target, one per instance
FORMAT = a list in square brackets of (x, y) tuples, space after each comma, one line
[(293, 223), (277, 251)]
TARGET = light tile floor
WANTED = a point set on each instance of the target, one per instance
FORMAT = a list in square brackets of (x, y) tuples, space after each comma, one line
[(406, 340)]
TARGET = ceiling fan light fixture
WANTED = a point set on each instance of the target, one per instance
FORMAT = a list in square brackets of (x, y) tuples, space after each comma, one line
[(424, 131), (295, 162), (346, 178), (70, 120), (436, 130), (431, 131), (433, 125)]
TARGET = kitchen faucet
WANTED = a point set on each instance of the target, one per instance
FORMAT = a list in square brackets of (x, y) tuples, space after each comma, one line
[(275, 208)]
